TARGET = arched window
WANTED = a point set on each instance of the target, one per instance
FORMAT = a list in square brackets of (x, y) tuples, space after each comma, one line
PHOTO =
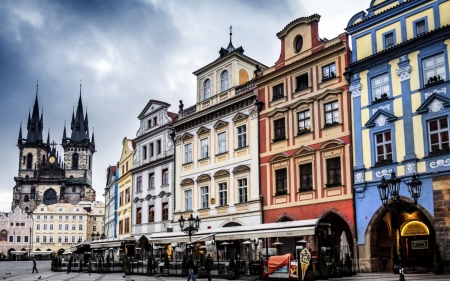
[(207, 89), (50, 197), (26, 198), (29, 161), (75, 160), (224, 81)]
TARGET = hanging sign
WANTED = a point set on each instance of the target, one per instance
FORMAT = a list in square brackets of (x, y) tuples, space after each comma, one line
[(419, 244)]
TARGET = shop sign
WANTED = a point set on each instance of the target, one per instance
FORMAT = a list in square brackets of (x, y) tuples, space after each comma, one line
[(419, 244), (415, 228)]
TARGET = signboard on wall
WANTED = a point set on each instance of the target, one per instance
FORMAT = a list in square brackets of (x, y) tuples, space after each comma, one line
[(419, 244)]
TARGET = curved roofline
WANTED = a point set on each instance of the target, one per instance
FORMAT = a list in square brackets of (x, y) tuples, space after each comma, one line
[(292, 24)]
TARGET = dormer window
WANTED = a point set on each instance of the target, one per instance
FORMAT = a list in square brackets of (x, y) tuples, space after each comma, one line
[(224, 81), (207, 89)]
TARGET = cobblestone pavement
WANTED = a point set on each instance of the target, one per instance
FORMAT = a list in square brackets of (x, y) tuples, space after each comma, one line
[(21, 270)]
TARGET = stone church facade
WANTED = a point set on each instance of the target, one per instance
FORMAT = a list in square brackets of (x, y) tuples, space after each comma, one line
[(45, 177)]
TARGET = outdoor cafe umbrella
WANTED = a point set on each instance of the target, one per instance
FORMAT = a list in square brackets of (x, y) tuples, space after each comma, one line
[(344, 246)]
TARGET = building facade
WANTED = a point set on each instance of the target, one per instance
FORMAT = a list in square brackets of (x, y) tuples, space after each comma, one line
[(125, 188), (153, 166), (96, 221), (399, 84), (216, 146), (15, 233), (305, 137), (45, 178), (111, 202)]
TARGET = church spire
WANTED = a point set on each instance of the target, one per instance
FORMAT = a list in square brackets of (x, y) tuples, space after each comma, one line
[(19, 140), (35, 123), (48, 137), (230, 47), (92, 139), (64, 139), (79, 129)]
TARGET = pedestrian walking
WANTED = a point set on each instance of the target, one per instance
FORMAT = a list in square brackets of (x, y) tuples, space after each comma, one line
[(208, 266), (34, 265), (190, 266)]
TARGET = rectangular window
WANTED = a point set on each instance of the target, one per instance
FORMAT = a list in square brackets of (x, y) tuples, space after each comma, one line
[(95, 218), (60, 218), (151, 181), (37, 239), (121, 198), (329, 71), (155, 121), (127, 225), (51, 226), (121, 227), (74, 227), (279, 129), (331, 113), (204, 197), (60, 227), (80, 218), (45, 226), (203, 148), (158, 146), (94, 228), (67, 218), (188, 153), (188, 200), (222, 142), (127, 195), (434, 69), (165, 177), (281, 181), (50, 239), (38, 217), (138, 215), (380, 87), (144, 152), (59, 239), (242, 189), (152, 150), (438, 136), (25, 239), (306, 182), (66, 239), (18, 238), (38, 227), (51, 218), (80, 227), (45, 217), (149, 123), (420, 27), (74, 218), (73, 239), (383, 143), (44, 239), (304, 121), (334, 171), (66, 227), (278, 92), (242, 136), (126, 165), (302, 82), (138, 184), (165, 211), (223, 194), (389, 40), (151, 213)]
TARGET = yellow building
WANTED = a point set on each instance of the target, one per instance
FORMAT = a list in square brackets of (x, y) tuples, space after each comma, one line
[(125, 188), (96, 222)]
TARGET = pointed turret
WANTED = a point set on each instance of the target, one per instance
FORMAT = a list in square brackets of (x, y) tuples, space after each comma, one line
[(223, 52), (64, 138), (79, 128), (19, 140), (92, 139), (35, 123)]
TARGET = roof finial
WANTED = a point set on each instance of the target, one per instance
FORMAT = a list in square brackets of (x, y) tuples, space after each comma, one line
[(231, 32)]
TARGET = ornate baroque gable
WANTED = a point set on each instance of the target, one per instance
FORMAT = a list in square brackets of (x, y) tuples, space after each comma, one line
[(380, 118), (434, 103)]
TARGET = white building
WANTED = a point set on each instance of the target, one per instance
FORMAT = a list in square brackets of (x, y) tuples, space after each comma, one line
[(111, 204)]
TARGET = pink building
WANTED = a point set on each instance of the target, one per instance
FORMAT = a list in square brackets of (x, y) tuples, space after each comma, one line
[(15, 234)]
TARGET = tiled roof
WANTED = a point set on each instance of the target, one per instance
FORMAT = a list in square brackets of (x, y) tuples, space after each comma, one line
[(173, 116)]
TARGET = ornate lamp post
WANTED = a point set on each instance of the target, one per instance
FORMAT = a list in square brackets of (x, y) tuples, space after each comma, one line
[(191, 228), (389, 190)]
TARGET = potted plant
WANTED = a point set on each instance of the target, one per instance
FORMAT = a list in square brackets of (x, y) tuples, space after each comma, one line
[(166, 265), (107, 265), (183, 266), (323, 266), (201, 267), (90, 265), (395, 263), (149, 266), (438, 266), (231, 268)]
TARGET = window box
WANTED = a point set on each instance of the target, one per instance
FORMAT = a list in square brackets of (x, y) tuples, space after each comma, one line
[(384, 162), (435, 80), (333, 184), (281, 192), (327, 125), (304, 131), (306, 188), (383, 97)]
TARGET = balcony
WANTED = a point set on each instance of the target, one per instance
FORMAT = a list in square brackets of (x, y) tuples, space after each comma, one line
[(78, 181)]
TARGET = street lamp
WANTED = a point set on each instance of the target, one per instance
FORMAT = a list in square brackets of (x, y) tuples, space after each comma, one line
[(389, 189), (192, 228)]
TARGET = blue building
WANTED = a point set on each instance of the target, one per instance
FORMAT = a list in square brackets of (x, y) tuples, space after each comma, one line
[(400, 107), (111, 204)]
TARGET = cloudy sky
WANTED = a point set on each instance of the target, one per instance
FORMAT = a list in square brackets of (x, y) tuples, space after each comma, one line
[(126, 53)]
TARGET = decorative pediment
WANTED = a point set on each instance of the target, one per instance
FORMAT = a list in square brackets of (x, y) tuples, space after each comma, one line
[(434, 103), (331, 144), (239, 117), (278, 113), (279, 157), (329, 94), (186, 136), (221, 173), (203, 177), (302, 104), (380, 118), (241, 169), (187, 182), (304, 150), (220, 124), (203, 130)]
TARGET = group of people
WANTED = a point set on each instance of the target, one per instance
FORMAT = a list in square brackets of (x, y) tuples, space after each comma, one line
[(190, 266)]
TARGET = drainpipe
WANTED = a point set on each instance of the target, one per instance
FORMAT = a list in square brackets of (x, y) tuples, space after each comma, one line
[(259, 105), (172, 136)]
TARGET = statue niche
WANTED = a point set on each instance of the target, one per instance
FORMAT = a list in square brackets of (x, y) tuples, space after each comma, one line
[(50, 197)]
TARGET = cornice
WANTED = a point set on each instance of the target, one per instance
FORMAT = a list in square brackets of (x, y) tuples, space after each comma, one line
[(153, 164)]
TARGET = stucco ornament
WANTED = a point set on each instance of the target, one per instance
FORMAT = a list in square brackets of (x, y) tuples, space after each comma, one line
[(359, 177), (355, 89), (384, 172), (437, 91), (440, 163), (387, 107), (436, 106), (404, 72), (253, 112), (410, 168), (381, 120), (359, 190)]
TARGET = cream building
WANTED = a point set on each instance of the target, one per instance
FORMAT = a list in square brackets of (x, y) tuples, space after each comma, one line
[(15, 233), (125, 188)]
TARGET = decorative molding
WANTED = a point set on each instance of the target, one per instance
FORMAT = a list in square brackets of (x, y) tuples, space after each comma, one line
[(381, 120), (436, 106), (220, 124), (440, 163), (136, 200), (403, 58), (410, 168), (279, 157), (148, 197), (359, 177), (343, 216), (240, 116), (355, 89), (186, 136), (202, 131), (282, 216), (404, 72), (303, 150), (253, 113), (359, 190), (241, 169), (278, 112), (187, 182), (387, 107), (384, 172), (436, 91), (203, 177), (221, 173)]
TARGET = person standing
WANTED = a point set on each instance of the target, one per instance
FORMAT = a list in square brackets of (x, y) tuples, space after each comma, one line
[(208, 266), (190, 266), (34, 265)]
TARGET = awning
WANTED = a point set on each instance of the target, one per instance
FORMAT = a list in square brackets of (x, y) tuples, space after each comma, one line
[(18, 252), (105, 245), (41, 253)]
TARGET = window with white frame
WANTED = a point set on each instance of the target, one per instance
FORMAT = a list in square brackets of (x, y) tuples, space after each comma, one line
[(74, 227), (188, 200), (380, 87), (37, 239), (165, 177), (59, 226), (60, 217), (204, 197), (139, 184), (66, 227), (222, 142), (279, 126), (38, 217), (304, 121), (94, 228), (80, 238), (144, 152), (188, 153), (151, 181), (66, 239), (50, 239), (281, 181), (38, 226), (74, 218), (44, 239), (11, 239), (25, 239), (80, 218), (223, 194), (383, 143), (224, 81), (206, 89), (277, 92), (438, 135), (80, 227), (45, 226), (389, 40), (203, 148), (19, 238), (420, 27), (45, 217), (67, 218), (51, 218), (329, 71), (433, 68), (51, 226), (242, 190), (334, 171), (242, 136), (73, 239), (59, 239), (306, 179), (332, 113)]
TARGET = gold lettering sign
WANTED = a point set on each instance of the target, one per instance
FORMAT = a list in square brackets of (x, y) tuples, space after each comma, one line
[(414, 228)]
